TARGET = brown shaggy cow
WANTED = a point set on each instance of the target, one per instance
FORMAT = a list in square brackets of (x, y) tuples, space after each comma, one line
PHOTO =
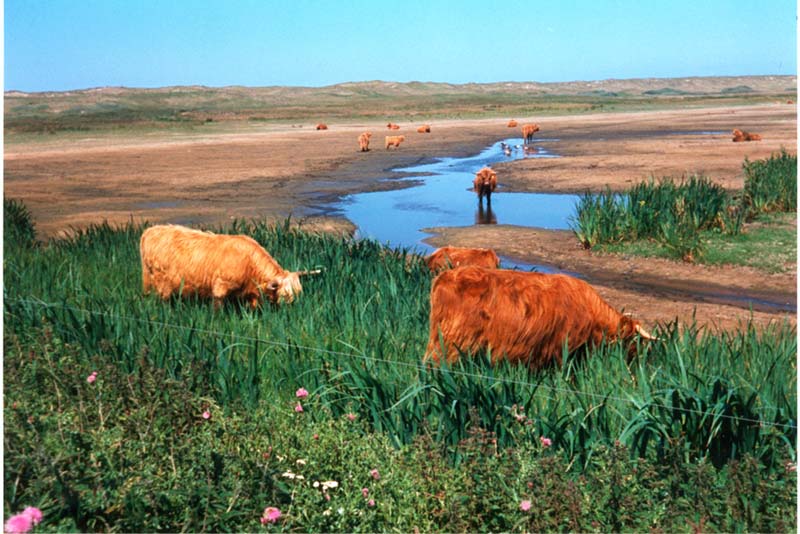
[(363, 141), (484, 184), (512, 123), (424, 129), (322, 126), (740, 136), (180, 260), (394, 140), (522, 317), (449, 257), (527, 132), (393, 126)]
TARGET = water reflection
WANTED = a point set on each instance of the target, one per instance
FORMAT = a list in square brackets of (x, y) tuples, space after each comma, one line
[(444, 196), (485, 215)]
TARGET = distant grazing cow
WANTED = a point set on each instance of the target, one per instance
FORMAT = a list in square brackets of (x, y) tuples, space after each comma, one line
[(527, 132), (176, 259), (393, 126), (322, 126), (424, 129), (522, 317), (448, 257), (394, 140), (363, 141), (740, 136), (484, 184), (512, 123)]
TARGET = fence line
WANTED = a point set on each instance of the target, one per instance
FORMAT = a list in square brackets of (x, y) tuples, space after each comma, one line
[(393, 362)]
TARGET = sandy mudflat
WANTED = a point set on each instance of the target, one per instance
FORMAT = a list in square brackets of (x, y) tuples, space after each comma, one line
[(274, 171)]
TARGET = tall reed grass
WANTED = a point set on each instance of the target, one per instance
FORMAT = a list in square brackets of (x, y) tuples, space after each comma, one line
[(674, 213), (771, 184), (355, 338)]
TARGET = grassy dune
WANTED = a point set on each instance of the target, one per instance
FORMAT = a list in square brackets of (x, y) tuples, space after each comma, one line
[(699, 427), (213, 109)]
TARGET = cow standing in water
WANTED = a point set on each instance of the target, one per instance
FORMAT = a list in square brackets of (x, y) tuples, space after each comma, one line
[(522, 317), (527, 133), (484, 184)]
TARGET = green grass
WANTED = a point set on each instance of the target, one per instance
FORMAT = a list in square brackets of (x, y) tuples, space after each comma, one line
[(695, 401), (695, 219), (769, 244)]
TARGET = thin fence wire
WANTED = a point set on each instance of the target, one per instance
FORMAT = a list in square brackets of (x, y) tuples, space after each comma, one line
[(537, 385)]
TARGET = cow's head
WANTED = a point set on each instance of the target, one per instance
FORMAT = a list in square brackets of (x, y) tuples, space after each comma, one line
[(284, 288), (628, 330)]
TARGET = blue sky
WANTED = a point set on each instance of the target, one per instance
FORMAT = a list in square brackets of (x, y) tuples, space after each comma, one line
[(73, 44)]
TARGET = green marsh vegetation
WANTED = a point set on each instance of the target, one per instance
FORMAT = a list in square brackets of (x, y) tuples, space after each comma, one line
[(700, 428), (698, 221)]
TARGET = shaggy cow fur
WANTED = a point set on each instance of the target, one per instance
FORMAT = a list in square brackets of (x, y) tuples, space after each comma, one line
[(448, 257), (523, 317), (179, 259), (740, 136), (394, 140), (484, 184), (527, 132), (363, 141)]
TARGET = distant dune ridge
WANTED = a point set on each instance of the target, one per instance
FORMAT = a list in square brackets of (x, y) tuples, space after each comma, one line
[(635, 86), (102, 108)]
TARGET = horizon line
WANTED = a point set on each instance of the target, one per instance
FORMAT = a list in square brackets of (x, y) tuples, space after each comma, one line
[(131, 87)]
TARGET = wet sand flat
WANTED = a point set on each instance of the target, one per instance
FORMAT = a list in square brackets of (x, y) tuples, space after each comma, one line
[(281, 170)]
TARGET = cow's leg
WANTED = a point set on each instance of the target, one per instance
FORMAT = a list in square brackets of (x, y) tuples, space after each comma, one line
[(220, 289), (147, 281), (163, 287)]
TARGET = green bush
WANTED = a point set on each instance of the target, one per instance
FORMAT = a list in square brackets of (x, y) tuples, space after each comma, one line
[(668, 212), (19, 229), (674, 213), (132, 452), (771, 184)]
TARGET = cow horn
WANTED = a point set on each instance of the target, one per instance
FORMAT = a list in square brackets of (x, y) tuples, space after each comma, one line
[(304, 273), (644, 333)]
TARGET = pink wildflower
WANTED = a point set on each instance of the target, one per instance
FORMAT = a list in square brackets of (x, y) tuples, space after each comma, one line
[(92, 377), (525, 505), (371, 502), (34, 514), (365, 492), (351, 416), (316, 436), (374, 474), (270, 515), (18, 524), (301, 393), (298, 408), (206, 415), (546, 442)]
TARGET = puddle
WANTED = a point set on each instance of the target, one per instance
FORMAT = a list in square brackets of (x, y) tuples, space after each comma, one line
[(440, 194), (159, 204)]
